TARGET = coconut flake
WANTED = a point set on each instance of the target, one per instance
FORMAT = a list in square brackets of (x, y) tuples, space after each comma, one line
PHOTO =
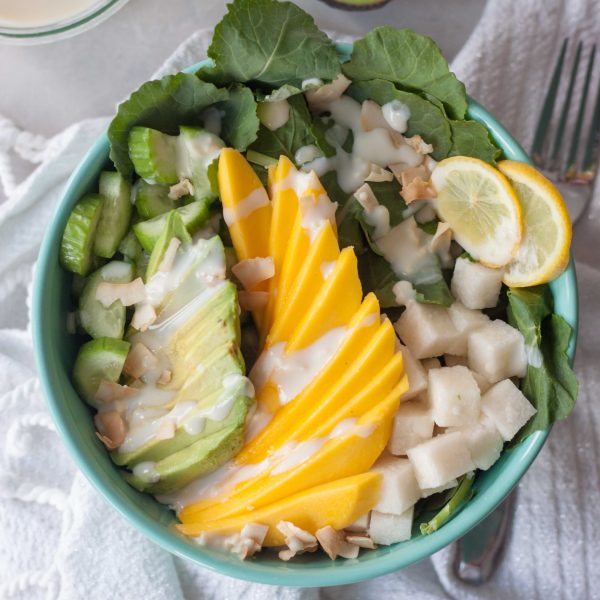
[(108, 391), (366, 197), (362, 541), (139, 361), (111, 428), (440, 243), (253, 300), (318, 99), (297, 540), (183, 188), (415, 188), (379, 174), (418, 144), (166, 264), (128, 293), (253, 271), (371, 116), (165, 377), (334, 543)]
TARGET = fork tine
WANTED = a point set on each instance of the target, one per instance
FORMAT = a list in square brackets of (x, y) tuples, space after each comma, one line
[(548, 107), (588, 166), (571, 168), (562, 123)]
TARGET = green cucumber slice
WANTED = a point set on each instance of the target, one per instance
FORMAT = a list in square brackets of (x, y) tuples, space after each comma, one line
[(116, 213), (78, 238), (194, 215), (174, 228), (98, 360), (154, 155), (130, 248), (95, 318), (152, 200)]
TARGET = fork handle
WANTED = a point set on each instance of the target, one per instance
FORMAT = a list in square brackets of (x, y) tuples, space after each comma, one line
[(478, 553)]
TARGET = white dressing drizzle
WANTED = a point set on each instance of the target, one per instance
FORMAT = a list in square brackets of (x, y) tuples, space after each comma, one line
[(396, 114), (326, 268), (255, 200), (534, 356), (146, 472)]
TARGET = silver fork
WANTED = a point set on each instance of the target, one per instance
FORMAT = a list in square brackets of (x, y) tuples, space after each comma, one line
[(572, 166)]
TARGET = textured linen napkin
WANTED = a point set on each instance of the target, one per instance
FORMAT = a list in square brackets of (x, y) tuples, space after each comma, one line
[(59, 539)]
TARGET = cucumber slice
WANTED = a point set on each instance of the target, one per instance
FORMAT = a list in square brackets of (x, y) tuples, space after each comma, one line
[(193, 215), (116, 213), (154, 155), (95, 318), (152, 200), (174, 228), (197, 151), (78, 238), (130, 248), (97, 360)]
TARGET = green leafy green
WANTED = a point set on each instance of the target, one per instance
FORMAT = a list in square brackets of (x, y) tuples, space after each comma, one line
[(426, 119), (240, 123), (461, 495), (376, 276), (289, 137), (552, 386), (409, 60), (470, 138), (270, 42), (163, 104)]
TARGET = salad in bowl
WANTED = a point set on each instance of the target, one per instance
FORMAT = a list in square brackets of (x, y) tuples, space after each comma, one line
[(310, 297)]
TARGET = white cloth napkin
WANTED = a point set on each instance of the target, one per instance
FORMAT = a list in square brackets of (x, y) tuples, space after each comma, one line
[(59, 539)]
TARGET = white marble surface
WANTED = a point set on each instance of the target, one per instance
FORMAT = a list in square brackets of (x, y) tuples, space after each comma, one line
[(46, 88)]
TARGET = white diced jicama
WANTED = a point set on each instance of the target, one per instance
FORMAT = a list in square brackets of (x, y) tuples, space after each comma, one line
[(474, 285), (451, 360), (497, 351), (399, 487), (465, 321), (440, 459), (507, 408), (361, 524), (426, 329), (386, 529), (417, 378), (413, 424), (440, 488), (482, 382), (431, 363), (454, 395), (483, 441)]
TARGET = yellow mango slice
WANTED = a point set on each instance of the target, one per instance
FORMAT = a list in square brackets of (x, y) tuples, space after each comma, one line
[(336, 503), (335, 304), (310, 278), (350, 453), (247, 209), (304, 416), (361, 328)]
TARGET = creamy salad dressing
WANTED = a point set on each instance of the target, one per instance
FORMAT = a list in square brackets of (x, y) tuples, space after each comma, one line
[(315, 212), (306, 154), (37, 13), (326, 268), (255, 200), (534, 356), (396, 114), (146, 472)]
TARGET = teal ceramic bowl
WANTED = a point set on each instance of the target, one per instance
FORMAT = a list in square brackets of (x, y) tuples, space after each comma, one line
[(55, 350)]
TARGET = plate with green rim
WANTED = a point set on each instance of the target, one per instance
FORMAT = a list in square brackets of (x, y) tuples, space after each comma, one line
[(55, 351)]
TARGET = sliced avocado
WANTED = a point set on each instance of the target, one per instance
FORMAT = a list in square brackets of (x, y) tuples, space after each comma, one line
[(174, 228), (200, 458)]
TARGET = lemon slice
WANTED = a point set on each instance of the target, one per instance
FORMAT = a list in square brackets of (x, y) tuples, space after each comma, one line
[(480, 207), (544, 250)]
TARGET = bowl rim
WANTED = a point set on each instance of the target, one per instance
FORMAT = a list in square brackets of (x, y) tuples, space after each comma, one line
[(297, 575)]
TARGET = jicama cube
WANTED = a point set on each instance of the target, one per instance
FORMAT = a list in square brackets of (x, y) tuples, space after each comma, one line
[(465, 321), (417, 378), (440, 459), (454, 395), (413, 424), (399, 487), (507, 408), (426, 329), (386, 529), (361, 524), (440, 488), (484, 443), (482, 382), (497, 351), (474, 285)]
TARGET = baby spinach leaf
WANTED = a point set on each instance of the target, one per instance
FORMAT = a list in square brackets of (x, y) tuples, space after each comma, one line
[(409, 60), (163, 104), (240, 123), (270, 42), (470, 138), (552, 386), (377, 276), (426, 119), (434, 293)]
